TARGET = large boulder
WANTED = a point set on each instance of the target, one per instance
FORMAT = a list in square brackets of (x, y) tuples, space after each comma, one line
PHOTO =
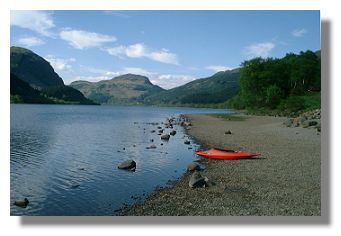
[(128, 165), (196, 180), (22, 203)]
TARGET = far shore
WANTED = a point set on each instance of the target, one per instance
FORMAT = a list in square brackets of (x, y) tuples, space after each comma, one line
[(285, 180)]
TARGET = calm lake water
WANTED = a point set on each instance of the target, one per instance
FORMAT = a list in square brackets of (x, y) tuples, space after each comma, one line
[(64, 158)]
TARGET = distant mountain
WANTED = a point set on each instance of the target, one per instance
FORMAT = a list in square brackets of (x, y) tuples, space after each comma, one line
[(124, 89), (33, 80), (33, 69), (215, 89)]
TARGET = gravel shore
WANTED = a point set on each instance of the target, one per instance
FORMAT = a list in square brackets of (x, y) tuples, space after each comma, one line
[(285, 180)]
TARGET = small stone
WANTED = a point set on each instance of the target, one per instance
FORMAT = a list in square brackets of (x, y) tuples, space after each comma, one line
[(75, 185), (187, 142), (151, 147), (193, 166), (228, 132), (173, 132), (165, 137)]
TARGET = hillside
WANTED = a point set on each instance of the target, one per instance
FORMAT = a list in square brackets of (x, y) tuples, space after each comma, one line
[(215, 89), (33, 69), (22, 92), (33, 80), (124, 89)]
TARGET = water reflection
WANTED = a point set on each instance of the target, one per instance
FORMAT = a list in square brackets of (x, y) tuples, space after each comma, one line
[(64, 158)]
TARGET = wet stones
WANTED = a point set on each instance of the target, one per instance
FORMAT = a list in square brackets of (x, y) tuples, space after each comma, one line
[(127, 165), (187, 142)]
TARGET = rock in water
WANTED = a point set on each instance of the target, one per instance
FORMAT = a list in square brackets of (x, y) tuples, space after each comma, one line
[(193, 166), (128, 165), (187, 142), (151, 147), (173, 132), (22, 203), (197, 180), (228, 132), (165, 136)]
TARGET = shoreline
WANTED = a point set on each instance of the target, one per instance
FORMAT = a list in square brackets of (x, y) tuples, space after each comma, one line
[(284, 181)]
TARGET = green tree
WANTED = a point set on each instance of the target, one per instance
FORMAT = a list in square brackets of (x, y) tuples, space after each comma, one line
[(273, 96)]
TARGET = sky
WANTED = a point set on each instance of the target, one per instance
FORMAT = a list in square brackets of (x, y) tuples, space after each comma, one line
[(171, 48)]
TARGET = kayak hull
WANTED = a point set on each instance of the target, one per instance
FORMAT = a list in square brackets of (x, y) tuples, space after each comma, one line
[(226, 154)]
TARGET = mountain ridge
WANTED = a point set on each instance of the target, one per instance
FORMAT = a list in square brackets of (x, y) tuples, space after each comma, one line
[(123, 89), (33, 80)]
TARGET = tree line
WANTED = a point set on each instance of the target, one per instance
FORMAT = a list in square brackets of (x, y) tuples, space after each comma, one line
[(291, 83)]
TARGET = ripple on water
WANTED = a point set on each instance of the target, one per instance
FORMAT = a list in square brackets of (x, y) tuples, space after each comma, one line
[(64, 158)]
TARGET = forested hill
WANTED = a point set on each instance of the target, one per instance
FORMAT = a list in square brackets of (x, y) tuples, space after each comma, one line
[(289, 84)]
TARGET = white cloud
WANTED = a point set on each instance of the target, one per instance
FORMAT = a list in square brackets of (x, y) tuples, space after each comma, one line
[(81, 39), (139, 50), (299, 32), (95, 78), (38, 21), (59, 64), (168, 81), (30, 41), (136, 70), (217, 68), (164, 56), (136, 50), (259, 49)]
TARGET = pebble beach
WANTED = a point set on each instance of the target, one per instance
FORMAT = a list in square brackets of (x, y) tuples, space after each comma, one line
[(284, 181)]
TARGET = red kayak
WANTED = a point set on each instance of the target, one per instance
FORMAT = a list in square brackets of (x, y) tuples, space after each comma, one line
[(226, 154)]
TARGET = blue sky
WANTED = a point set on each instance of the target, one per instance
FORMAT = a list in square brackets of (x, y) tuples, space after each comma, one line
[(170, 47)]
